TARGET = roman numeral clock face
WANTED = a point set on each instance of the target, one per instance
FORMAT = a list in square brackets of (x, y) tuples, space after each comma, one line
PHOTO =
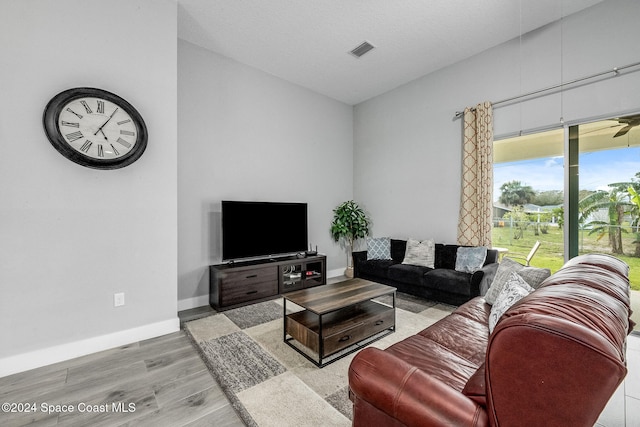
[(95, 128)]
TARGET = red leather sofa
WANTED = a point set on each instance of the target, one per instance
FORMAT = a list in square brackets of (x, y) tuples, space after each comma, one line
[(554, 358)]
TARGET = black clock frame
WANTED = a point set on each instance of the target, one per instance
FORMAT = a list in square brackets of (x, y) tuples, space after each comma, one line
[(50, 122)]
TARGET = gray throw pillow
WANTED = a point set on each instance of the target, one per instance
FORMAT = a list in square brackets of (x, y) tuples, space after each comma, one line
[(422, 253), (532, 275), (514, 290), (470, 260)]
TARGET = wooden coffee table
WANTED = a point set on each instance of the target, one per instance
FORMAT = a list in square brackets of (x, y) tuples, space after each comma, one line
[(335, 318)]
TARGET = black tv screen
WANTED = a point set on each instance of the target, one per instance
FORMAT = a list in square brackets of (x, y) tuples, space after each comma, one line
[(262, 229)]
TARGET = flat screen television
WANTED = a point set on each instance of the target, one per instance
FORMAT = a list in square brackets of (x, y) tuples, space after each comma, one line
[(262, 229)]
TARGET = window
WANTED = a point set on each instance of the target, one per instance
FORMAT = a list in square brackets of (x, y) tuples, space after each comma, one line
[(591, 206), (529, 196)]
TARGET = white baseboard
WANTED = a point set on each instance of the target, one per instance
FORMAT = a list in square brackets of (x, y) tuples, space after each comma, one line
[(47, 356), (335, 273), (194, 302)]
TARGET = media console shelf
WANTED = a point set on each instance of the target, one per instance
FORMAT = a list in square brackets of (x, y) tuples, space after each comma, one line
[(240, 283)]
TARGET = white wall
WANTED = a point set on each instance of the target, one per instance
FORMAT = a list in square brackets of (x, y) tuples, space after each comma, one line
[(70, 236), (407, 146), (247, 135)]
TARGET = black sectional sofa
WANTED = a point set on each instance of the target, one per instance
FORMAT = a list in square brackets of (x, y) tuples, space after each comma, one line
[(441, 283)]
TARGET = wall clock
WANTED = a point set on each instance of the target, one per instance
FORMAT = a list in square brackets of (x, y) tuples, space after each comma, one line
[(95, 128)]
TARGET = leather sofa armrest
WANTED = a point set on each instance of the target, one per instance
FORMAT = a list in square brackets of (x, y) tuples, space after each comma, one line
[(410, 395)]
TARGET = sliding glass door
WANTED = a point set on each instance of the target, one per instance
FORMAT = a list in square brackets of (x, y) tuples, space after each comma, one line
[(576, 190), (529, 197), (608, 204)]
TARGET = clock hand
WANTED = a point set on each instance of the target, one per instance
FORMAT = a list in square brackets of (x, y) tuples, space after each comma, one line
[(105, 136), (103, 125)]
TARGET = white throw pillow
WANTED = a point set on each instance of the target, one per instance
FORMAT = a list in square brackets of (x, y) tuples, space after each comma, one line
[(421, 253), (514, 290)]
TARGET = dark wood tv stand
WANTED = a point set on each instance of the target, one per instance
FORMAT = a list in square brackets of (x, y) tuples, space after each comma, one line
[(240, 283)]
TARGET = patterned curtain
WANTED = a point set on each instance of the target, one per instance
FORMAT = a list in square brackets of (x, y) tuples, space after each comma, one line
[(476, 204)]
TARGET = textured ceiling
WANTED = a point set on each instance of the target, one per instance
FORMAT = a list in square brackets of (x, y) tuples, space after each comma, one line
[(307, 41)]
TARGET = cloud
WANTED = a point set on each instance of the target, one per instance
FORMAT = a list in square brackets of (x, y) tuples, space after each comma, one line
[(553, 162)]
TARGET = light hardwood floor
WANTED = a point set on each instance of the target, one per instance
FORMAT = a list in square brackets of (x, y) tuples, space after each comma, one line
[(169, 385), (163, 379)]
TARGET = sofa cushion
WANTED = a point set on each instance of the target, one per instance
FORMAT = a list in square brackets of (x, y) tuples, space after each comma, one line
[(405, 273), (461, 335), (470, 259), (446, 256), (447, 280), (438, 361), (378, 248), (420, 253), (532, 275), (492, 257), (476, 309), (398, 248), (375, 267), (476, 388), (514, 290)]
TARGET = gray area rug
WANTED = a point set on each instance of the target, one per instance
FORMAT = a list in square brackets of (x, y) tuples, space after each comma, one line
[(255, 314), (268, 382), (240, 361)]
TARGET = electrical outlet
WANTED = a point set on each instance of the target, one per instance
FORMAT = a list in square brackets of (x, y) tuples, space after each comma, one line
[(118, 299)]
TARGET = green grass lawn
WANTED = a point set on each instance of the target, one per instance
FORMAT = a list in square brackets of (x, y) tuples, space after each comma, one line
[(551, 252)]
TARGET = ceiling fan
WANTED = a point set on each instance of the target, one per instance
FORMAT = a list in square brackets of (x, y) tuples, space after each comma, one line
[(629, 121)]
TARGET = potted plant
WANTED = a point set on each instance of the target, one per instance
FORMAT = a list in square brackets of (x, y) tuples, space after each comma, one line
[(350, 222)]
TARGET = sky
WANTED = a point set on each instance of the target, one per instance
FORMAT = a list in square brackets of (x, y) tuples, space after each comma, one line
[(596, 170)]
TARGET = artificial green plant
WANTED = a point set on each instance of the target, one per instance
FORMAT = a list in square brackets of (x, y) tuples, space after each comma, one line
[(350, 222)]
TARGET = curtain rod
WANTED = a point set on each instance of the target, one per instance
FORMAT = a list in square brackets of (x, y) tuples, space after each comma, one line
[(615, 71)]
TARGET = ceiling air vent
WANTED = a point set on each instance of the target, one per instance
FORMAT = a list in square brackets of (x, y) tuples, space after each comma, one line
[(362, 49)]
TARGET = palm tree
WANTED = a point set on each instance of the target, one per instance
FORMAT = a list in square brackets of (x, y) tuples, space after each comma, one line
[(558, 213), (616, 202), (634, 198), (514, 193)]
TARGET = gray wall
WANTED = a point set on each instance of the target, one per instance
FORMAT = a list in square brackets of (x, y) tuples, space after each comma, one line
[(247, 135), (70, 236), (234, 132), (407, 146)]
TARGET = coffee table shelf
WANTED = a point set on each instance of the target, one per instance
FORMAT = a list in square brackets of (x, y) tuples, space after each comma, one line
[(336, 318)]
